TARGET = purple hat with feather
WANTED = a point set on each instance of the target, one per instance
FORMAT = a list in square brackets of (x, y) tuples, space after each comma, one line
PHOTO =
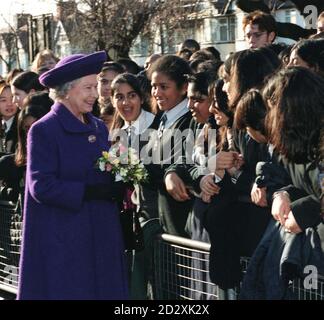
[(73, 67)]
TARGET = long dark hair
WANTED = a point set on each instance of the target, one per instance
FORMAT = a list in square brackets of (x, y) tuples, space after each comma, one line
[(250, 70), (27, 81), (296, 113), (251, 112), (312, 52), (132, 81), (217, 94), (33, 110)]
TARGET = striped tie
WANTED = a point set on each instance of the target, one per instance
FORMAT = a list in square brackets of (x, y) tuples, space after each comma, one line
[(162, 124)]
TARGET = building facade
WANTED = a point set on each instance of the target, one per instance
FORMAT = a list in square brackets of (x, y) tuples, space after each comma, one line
[(218, 24)]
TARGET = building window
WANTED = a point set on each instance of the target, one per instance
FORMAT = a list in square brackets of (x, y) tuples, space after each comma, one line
[(140, 46), (232, 24), (223, 29)]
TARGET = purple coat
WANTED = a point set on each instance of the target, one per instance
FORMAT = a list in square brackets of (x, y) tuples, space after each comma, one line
[(71, 249)]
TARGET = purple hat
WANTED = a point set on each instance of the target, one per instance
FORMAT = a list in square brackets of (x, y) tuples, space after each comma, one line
[(73, 67)]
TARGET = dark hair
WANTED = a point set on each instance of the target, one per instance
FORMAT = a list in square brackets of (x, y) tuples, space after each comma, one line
[(284, 55), (185, 53), (217, 95), (40, 99), (262, 61), (194, 64), (108, 110), (112, 66), (226, 67), (277, 47), (27, 81), (296, 113), (32, 110), (312, 52), (251, 112), (201, 81), (220, 97), (174, 67), (132, 81), (190, 44), (265, 21), (209, 66), (214, 52), (145, 85), (129, 65), (202, 54)]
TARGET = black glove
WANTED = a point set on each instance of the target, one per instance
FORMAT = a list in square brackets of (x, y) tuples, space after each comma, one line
[(103, 192)]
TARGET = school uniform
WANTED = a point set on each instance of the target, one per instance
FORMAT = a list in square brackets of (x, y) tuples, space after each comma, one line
[(10, 138), (165, 147)]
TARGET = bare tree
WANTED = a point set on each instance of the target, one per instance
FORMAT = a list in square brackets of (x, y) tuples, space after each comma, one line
[(176, 18), (116, 23), (106, 24), (10, 40)]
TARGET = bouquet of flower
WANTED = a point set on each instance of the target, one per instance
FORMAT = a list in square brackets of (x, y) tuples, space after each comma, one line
[(125, 162)]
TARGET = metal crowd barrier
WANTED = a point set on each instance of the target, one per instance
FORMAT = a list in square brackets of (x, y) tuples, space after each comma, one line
[(181, 273), (10, 242), (180, 265)]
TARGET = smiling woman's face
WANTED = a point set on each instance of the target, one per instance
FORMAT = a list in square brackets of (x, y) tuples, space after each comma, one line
[(166, 92), (128, 103), (82, 96)]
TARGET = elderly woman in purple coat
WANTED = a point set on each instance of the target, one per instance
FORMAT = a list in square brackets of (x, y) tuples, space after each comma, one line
[(72, 242)]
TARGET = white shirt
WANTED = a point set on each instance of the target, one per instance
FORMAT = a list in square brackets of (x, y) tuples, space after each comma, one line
[(175, 113), (143, 121), (8, 123)]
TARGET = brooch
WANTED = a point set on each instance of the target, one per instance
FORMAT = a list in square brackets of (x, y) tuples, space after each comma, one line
[(92, 138)]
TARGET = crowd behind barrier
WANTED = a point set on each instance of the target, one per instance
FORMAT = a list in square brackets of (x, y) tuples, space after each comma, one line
[(180, 265), (219, 163)]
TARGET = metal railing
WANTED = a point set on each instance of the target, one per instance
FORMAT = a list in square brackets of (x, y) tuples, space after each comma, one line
[(181, 273), (10, 243), (180, 265)]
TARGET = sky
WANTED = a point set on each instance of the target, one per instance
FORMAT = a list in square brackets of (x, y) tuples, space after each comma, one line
[(9, 8)]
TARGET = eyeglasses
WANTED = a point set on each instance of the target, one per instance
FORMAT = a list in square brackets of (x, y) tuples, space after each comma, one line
[(256, 35)]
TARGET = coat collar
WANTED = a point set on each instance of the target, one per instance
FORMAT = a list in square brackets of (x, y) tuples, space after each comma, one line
[(70, 122)]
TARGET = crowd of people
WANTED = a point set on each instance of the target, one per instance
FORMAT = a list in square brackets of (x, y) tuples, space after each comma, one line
[(233, 150)]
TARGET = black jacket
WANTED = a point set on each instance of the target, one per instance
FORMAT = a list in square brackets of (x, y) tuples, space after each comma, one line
[(304, 193), (11, 137), (173, 214), (11, 177), (279, 258)]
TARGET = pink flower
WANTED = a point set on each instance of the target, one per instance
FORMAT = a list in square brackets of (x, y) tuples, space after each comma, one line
[(122, 149)]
